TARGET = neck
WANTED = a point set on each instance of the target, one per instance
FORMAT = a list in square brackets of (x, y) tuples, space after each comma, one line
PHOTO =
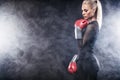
[(92, 19)]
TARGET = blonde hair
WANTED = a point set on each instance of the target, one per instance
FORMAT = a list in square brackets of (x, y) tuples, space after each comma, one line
[(97, 5)]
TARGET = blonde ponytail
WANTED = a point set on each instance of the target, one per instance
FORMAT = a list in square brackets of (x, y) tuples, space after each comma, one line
[(96, 4), (99, 14)]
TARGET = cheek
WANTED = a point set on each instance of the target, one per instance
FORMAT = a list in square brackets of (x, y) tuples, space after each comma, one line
[(91, 13), (88, 14)]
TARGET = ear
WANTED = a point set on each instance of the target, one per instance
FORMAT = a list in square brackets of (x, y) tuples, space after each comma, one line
[(94, 10)]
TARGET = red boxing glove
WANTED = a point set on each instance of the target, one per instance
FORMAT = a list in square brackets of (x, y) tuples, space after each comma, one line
[(72, 68), (81, 23)]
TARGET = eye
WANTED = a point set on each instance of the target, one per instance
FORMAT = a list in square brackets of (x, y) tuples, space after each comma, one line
[(85, 10)]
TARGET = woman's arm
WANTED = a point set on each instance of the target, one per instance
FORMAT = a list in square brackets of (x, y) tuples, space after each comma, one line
[(89, 35)]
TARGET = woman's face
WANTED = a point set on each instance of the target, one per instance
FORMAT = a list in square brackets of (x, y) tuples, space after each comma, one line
[(87, 11)]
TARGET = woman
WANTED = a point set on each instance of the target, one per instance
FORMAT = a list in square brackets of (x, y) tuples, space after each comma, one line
[(88, 66), (86, 31)]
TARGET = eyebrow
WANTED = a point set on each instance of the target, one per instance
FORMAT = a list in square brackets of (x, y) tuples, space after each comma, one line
[(84, 9)]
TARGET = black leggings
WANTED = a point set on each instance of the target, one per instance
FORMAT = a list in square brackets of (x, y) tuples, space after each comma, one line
[(87, 69)]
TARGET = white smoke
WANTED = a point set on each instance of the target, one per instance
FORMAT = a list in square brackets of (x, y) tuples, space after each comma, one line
[(15, 32), (108, 42), (10, 31)]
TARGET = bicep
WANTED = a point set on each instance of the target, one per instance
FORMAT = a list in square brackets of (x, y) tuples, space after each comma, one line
[(89, 34)]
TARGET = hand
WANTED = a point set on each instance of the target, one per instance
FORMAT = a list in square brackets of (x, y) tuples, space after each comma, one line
[(72, 68), (81, 23)]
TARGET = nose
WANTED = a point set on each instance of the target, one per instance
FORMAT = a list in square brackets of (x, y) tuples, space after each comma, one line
[(83, 13)]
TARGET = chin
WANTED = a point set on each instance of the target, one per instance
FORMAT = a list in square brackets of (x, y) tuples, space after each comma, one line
[(86, 18)]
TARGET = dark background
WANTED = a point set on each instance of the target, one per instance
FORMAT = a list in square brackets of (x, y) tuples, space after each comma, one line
[(50, 24)]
